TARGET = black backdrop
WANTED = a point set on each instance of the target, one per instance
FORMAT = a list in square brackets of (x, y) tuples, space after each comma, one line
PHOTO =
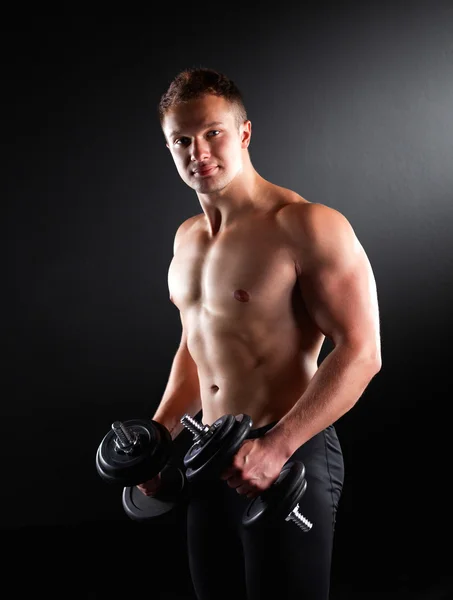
[(351, 106)]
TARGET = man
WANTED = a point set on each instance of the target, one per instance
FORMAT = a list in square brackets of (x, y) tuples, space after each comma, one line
[(261, 277)]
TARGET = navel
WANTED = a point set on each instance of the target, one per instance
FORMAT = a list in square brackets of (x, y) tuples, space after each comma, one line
[(242, 295)]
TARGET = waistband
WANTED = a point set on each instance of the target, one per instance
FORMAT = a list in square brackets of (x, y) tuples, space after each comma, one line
[(260, 431)]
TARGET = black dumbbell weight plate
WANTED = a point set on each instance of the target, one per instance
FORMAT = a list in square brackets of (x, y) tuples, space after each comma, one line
[(280, 498), (150, 454), (202, 449), (172, 494), (223, 453)]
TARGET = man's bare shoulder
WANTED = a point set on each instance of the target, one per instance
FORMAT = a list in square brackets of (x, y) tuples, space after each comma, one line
[(318, 235), (185, 227), (312, 219)]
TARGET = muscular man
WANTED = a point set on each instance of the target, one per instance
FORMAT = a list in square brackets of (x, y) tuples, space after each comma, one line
[(260, 277)]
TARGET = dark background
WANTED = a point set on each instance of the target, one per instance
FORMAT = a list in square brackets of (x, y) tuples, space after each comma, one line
[(351, 106)]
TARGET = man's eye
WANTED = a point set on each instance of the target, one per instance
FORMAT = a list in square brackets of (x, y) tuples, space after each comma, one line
[(184, 141)]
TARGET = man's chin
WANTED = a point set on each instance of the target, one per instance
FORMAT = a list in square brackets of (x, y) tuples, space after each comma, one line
[(207, 186)]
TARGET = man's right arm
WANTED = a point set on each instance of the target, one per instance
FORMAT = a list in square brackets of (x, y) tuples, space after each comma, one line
[(182, 393), (181, 396)]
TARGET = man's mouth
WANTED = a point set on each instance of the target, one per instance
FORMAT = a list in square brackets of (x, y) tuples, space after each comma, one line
[(204, 171)]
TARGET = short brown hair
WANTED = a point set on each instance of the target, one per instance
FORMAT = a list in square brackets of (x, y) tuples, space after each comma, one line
[(196, 82)]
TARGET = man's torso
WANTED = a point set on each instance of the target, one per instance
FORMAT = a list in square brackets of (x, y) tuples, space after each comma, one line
[(248, 331)]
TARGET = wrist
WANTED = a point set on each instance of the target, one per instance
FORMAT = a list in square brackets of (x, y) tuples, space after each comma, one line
[(281, 441), (171, 423)]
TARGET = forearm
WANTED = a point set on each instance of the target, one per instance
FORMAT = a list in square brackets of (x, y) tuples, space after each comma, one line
[(337, 385), (181, 396), (171, 410)]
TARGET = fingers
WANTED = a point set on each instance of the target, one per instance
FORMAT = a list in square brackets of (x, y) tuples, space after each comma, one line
[(236, 466), (228, 473), (233, 477), (243, 487), (151, 487), (248, 491)]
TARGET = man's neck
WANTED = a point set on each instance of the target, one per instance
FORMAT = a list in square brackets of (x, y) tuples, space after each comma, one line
[(232, 204)]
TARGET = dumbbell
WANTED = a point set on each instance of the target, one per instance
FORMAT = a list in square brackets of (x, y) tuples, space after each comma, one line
[(212, 452), (135, 451)]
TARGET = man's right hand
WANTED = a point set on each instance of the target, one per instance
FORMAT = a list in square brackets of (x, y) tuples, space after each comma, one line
[(150, 487)]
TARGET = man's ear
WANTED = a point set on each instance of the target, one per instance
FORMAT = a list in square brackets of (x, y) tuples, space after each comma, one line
[(246, 133)]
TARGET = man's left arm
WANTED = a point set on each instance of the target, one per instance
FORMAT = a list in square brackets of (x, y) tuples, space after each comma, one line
[(339, 291)]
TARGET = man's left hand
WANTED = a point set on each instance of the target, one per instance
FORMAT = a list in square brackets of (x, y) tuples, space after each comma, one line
[(255, 467)]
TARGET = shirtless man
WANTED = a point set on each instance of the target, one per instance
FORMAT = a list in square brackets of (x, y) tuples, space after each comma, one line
[(261, 277)]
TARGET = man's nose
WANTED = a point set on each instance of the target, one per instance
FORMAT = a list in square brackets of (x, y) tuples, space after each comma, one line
[(200, 150)]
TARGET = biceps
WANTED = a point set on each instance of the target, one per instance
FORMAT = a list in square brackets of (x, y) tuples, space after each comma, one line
[(342, 301)]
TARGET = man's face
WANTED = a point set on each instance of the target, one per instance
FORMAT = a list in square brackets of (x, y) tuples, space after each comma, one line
[(205, 142)]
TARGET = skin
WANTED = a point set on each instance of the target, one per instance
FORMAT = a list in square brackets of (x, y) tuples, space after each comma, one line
[(260, 278)]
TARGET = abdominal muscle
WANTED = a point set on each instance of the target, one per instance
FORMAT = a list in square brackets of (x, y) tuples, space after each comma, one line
[(244, 370)]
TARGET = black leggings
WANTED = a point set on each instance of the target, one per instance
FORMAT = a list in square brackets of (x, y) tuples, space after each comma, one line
[(276, 560)]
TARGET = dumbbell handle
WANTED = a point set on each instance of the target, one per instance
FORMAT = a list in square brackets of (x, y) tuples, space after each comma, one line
[(195, 428), (199, 430), (126, 438)]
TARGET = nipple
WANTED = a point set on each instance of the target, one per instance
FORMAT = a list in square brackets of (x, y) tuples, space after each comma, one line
[(241, 295)]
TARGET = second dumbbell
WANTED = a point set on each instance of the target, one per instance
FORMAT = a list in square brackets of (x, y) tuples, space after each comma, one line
[(212, 452)]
